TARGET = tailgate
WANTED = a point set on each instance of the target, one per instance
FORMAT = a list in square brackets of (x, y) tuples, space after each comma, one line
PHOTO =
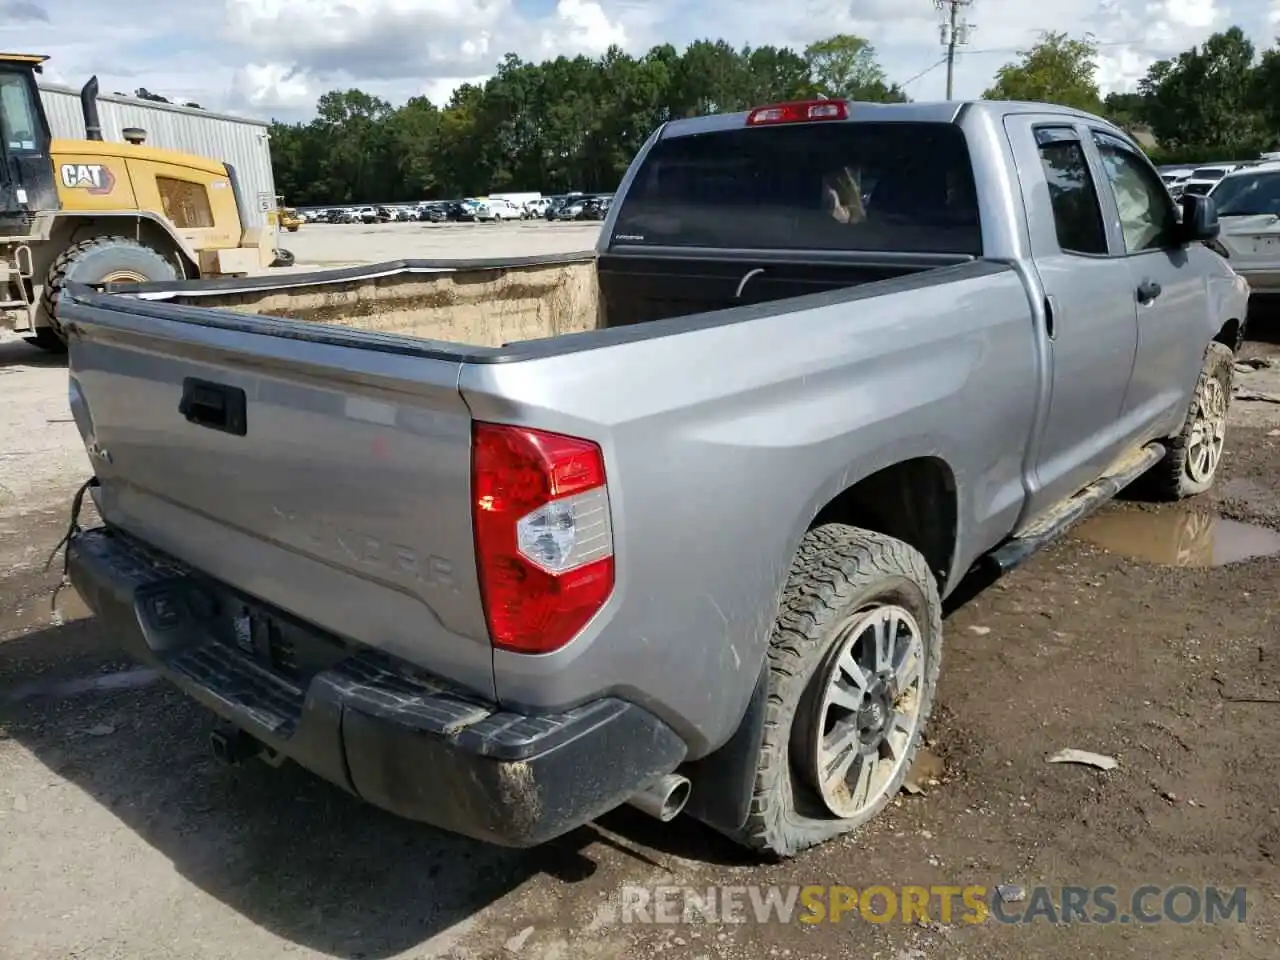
[(322, 470)]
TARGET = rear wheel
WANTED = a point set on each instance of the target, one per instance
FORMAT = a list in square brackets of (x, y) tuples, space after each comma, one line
[(853, 665), (99, 260)]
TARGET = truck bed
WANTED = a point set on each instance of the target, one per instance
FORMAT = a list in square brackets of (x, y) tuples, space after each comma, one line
[(319, 461), (490, 304)]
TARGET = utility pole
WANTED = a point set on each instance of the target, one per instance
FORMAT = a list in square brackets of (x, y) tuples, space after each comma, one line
[(954, 32)]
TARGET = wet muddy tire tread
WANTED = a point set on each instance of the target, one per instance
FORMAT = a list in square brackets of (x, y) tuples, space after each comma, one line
[(836, 569), (1168, 479)]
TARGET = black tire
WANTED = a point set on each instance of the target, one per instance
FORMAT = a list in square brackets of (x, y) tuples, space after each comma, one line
[(837, 572), (96, 259), (48, 339), (284, 258), (1172, 478)]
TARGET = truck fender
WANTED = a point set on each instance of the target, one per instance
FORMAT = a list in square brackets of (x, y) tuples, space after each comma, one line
[(146, 226), (722, 780)]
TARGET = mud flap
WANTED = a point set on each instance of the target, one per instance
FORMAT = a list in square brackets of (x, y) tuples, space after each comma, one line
[(723, 781)]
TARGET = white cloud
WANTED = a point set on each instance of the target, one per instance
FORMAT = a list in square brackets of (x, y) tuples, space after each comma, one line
[(273, 85), (274, 57), (582, 27)]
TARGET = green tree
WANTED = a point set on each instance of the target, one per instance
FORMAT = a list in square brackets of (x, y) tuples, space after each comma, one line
[(1058, 69), (1206, 95), (572, 123), (845, 67), (1126, 110)]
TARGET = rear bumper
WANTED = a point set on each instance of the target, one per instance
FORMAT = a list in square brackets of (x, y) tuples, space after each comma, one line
[(408, 744)]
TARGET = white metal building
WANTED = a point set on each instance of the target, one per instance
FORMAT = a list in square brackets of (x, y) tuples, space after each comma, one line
[(241, 142)]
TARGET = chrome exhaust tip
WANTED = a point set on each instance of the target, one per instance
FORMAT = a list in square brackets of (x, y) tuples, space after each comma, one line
[(664, 798)]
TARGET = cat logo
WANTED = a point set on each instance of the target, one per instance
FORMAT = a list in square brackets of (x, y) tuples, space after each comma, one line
[(93, 178)]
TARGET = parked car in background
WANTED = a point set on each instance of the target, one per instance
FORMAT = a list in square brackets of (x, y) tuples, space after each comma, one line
[(437, 212), (505, 558), (1204, 179), (497, 209), (558, 203), (1248, 204), (1174, 177), (536, 209), (569, 209), (595, 208)]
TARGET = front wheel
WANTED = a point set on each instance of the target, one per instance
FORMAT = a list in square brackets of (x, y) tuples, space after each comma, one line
[(853, 666), (1191, 462)]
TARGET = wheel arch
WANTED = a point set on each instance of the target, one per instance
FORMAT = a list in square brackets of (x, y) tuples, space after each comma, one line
[(147, 228), (68, 229), (1231, 335), (913, 498)]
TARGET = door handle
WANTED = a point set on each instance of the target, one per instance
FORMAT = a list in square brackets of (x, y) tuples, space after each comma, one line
[(1148, 290), (214, 405)]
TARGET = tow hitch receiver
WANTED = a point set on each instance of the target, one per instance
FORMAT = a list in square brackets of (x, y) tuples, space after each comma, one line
[(233, 746)]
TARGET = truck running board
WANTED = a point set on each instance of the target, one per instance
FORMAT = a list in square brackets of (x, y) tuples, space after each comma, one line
[(1067, 513)]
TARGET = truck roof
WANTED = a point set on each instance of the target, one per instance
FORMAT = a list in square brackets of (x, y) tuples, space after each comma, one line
[(941, 111)]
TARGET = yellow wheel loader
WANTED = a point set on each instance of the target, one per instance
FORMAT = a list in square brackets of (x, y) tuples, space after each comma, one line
[(289, 218), (96, 212)]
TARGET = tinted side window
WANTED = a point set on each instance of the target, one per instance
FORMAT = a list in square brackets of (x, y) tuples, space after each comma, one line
[(1147, 217), (1071, 191)]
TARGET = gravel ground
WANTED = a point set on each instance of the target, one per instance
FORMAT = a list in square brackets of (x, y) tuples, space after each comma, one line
[(336, 244), (121, 838)]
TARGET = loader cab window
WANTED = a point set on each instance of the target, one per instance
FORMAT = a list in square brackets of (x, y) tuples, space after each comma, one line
[(19, 120), (186, 204)]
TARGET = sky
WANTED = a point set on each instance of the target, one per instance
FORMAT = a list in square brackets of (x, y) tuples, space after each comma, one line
[(273, 58)]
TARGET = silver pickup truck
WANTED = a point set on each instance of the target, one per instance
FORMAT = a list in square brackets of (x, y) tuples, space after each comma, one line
[(502, 546)]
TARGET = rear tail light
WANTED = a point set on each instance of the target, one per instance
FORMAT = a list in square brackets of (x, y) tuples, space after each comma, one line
[(544, 542), (801, 111)]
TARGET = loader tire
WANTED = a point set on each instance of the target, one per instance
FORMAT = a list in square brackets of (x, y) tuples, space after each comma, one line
[(845, 584), (1192, 458), (48, 339), (102, 260)]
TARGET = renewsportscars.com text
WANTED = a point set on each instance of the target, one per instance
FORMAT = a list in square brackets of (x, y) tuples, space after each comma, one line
[(971, 904)]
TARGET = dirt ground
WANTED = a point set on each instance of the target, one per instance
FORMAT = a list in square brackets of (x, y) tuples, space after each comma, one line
[(120, 836)]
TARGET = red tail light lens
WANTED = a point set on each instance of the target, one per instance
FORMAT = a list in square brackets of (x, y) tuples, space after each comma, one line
[(544, 541), (801, 111)]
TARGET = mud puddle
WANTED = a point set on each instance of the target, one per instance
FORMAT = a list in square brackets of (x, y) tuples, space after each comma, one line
[(1179, 538)]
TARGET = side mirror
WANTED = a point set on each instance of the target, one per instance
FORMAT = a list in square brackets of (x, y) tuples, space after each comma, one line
[(1199, 218)]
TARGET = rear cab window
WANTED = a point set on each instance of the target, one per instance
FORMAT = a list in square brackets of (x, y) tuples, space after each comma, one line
[(835, 186)]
